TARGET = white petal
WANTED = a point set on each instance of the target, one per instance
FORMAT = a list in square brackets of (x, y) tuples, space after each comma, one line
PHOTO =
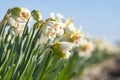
[(52, 15), (12, 22), (60, 16), (67, 54), (66, 45)]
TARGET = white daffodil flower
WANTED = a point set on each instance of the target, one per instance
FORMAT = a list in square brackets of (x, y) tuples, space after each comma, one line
[(62, 49), (59, 28), (17, 27), (71, 34), (59, 23), (87, 48), (20, 14), (51, 29), (76, 38), (69, 27), (18, 19), (48, 32)]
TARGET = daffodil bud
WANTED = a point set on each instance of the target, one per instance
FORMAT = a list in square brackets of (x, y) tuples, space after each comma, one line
[(62, 49), (20, 14), (37, 15)]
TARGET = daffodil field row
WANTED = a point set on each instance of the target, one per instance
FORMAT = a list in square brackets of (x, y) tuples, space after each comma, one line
[(32, 48)]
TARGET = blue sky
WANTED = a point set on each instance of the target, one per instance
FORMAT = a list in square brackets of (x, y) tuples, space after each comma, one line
[(100, 18)]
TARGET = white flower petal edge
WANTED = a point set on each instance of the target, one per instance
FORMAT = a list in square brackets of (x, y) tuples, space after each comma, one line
[(67, 54), (66, 45)]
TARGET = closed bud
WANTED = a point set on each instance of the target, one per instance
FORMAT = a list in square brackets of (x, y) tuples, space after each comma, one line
[(36, 15)]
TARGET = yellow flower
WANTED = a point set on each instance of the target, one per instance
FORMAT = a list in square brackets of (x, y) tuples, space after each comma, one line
[(62, 49)]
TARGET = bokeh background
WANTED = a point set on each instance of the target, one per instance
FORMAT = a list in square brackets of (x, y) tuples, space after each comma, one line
[(99, 18)]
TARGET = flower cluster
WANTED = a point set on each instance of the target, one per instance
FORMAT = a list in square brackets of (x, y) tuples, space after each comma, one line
[(60, 32), (57, 27), (18, 18), (53, 28)]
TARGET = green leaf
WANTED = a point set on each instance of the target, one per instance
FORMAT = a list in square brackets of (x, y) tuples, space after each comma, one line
[(42, 66), (8, 75)]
